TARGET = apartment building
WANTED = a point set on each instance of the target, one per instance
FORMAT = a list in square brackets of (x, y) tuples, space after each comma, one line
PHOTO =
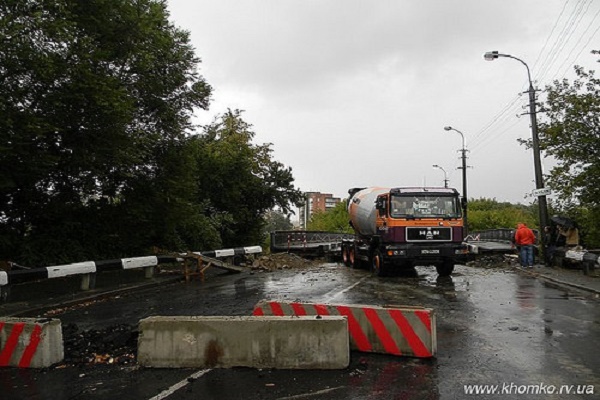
[(315, 201)]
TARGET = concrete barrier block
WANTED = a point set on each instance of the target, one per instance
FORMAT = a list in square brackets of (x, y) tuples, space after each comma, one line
[(258, 342), (397, 330), (30, 342)]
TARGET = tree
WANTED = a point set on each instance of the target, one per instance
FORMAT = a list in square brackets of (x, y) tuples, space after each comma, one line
[(95, 98), (333, 220), (570, 133), (491, 214), (277, 221), (241, 181)]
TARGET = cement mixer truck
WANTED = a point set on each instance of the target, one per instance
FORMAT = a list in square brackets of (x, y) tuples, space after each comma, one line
[(399, 228)]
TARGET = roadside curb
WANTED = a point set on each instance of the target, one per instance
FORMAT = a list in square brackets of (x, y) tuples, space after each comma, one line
[(543, 276), (575, 285), (93, 296)]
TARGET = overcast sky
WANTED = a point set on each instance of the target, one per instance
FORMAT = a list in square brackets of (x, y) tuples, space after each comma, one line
[(357, 93)]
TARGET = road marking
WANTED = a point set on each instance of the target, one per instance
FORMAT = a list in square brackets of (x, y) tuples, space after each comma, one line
[(331, 295), (166, 393), (311, 394)]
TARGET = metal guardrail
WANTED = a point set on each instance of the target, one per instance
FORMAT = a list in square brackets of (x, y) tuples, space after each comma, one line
[(495, 235), (306, 240), (88, 269)]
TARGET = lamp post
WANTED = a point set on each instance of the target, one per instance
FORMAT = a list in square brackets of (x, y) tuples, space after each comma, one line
[(464, 176), (445, 175), (539, 178)]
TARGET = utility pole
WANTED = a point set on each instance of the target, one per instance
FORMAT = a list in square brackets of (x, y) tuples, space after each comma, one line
[(539, 177), (445, 175), (464, 177)]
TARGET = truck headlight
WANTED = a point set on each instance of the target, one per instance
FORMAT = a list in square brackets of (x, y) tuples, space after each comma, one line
[(396, 252)]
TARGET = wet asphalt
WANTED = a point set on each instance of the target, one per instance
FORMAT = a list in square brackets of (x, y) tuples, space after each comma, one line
[(495, 326)]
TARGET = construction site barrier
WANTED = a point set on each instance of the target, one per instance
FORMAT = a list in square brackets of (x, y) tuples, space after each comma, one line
[(401, 331), (243, 341), (88, 269), (30, 342)]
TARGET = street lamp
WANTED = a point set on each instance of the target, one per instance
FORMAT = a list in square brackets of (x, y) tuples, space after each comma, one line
[(445, 175), (539, 178), (464, 175)]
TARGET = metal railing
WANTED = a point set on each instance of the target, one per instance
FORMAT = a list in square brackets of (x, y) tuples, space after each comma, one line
[(285, 240), (504, 235)]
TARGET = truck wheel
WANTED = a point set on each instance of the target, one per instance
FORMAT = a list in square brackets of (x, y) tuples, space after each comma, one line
[(354, 262), (445, 269), (377, 266), (346, 256)]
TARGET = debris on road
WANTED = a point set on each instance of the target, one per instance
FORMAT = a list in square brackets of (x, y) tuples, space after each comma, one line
[(84, 304), (114, 345), (496, 261), (282, 261)]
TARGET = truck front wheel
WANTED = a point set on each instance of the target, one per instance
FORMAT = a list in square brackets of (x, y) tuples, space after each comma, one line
[(377, 265), (445, 269)]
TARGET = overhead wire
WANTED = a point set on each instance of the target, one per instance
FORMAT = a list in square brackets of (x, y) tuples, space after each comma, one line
[(570, 26), (543, 49), (558, 42), (581, 49), (499, 122), (499, 119), (495, 118)]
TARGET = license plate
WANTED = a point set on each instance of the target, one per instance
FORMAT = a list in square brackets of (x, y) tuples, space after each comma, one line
[(430, 252)]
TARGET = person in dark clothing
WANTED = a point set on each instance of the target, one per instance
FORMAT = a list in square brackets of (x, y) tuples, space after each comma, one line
[(550, 244)]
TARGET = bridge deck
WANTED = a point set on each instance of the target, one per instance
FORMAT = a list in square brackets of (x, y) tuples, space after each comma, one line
[(479, 247)]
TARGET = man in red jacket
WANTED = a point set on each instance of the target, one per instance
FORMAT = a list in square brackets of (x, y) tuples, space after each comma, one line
[(525, 239)]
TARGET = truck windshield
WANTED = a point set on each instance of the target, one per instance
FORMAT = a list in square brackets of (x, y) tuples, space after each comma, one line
[(424, 206)]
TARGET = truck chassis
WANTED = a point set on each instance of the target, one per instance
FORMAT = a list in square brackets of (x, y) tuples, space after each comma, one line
[(385, 258)]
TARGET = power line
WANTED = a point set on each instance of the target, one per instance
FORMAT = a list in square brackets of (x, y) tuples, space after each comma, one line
[(550, 35), (500, 116), (492, 138), (581, 49), (497, 124), (564, 37)]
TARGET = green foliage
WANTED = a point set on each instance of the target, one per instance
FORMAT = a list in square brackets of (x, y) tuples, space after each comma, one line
[(491, 214), (97, 153), (240, 180), (274, 221), (569, 132), (333, 220), (277, 221)]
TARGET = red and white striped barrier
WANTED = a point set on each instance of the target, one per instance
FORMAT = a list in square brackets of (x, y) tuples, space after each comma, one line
[(402, 331), (30, 343)]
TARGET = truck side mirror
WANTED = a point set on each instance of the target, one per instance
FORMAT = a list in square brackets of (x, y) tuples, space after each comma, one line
[(381, 206)]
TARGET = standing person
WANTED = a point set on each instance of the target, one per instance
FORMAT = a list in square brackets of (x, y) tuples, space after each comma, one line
[(550, 245), (571, 235), (524, 238)]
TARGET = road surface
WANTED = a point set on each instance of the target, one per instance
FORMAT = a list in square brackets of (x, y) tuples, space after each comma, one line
[(495, 326)]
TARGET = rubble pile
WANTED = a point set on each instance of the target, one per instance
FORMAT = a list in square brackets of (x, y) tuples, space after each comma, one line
[(114, 345), (282, 261), (492, 261)]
